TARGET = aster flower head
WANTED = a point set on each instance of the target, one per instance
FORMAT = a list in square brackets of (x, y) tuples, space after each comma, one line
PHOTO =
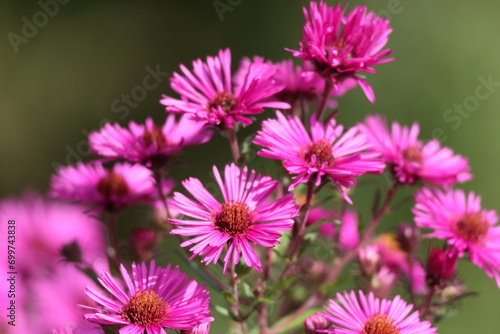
[(342, 45), (58, 233), (247, 216), (148, 143), (209, 95), (411, 159), (458, 218), (154, 298), (124, 184), (368, 315), (324, 151)]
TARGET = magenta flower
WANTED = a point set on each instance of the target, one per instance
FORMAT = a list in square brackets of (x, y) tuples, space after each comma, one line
[(351, 315), (322, 152), (148, 143), (208, 94), (246, 216), (411, 159), (153, 299), (115, 188), (459, 219), (341, 46), (303, 85), (56, 232)]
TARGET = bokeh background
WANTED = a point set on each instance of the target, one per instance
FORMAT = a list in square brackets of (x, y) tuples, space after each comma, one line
[(62, 82)]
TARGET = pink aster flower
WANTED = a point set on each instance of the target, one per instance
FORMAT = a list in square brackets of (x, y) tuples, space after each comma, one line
[(367, 314), (148, 143), (325, 151), (56, 232), (208, 94), (246, 216), (303, 85), (114, 188), (341, 46), (411, 159), (153, 299), (459, 219)]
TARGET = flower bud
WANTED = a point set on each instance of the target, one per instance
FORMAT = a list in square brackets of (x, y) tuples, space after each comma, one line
[(408, 237), (314, 322), (369, 259), (382, 283), (142, 241), (441, 265), (349, 233)]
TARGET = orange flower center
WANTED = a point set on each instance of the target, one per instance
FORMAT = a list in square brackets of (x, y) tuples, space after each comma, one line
[(145, 308), (225, 100), (112, 184), (322, 150), (471, 227), (413, 155), (234, 219), (380, 324), (155, 136)]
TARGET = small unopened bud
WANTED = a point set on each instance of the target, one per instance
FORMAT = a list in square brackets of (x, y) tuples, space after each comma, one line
[(203, 328), (369, 260), (314, 322), (441, 265), (349, 233), (408, 237), (142, 241), (382, 283)]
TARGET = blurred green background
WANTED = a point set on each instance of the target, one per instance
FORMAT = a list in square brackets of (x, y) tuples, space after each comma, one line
[(65, 77)]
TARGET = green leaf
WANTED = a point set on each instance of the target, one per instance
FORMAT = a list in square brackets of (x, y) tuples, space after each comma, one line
[(229, 297), (247, 290), (222, 310), (299, 321), (242, 270)]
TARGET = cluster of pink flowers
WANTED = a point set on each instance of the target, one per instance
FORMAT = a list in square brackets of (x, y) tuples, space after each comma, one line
[(249, 228)]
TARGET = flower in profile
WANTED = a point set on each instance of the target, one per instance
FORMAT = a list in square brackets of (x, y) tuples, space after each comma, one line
[(340, 46), (459, 219), (441, 266), (246, 216), (325, 151), (370, 315), (209, 95), (410, 158), (154, 298), (148, 143), (123, 185)]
